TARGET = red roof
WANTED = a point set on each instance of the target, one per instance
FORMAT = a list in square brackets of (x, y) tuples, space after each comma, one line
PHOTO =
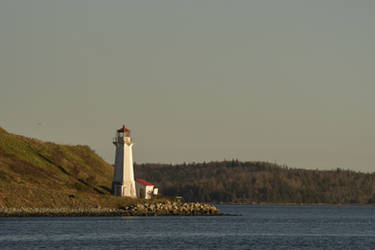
[(123, 129), (146, 183)]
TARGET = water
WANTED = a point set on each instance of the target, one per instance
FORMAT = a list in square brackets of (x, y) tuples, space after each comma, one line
[(259, 227)]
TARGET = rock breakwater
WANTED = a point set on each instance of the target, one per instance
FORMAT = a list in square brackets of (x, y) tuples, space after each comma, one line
[(146, 209), (172, 208)]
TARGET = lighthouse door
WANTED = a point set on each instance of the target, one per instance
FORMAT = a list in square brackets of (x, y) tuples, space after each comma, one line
[(118, 189)]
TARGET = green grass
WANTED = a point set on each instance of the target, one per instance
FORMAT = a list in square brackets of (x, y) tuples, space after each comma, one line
[(34, 173)]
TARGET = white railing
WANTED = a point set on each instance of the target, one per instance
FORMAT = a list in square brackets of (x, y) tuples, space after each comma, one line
[(119, 139)]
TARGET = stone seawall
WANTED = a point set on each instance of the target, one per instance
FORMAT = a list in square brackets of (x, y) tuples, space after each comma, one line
[(146, 209)]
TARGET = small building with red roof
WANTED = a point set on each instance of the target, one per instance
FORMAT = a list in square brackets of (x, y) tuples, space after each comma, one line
[(145, 189)]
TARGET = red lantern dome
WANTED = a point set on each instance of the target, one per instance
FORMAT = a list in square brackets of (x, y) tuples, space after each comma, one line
[(123, 130)]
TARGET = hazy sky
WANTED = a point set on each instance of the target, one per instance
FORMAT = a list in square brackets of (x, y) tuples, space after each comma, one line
[(290, 82)]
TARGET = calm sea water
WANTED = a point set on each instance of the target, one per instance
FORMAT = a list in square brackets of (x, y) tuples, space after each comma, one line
[(258, 227)]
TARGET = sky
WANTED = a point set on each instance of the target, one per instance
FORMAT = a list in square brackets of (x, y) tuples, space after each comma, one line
[(288, 82)]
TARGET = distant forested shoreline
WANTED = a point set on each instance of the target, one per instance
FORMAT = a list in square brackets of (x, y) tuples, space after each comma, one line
[(259, 182)]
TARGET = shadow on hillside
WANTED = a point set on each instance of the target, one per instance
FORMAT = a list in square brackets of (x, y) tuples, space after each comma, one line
[(54, 164), (106, 189)]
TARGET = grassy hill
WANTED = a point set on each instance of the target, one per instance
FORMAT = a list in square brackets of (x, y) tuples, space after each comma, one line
[(259, 182), (34, 173)]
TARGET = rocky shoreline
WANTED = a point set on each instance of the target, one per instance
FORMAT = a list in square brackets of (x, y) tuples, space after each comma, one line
[(147, 209)]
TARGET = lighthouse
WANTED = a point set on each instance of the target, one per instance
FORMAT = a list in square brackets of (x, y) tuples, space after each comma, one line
[(123, 178)]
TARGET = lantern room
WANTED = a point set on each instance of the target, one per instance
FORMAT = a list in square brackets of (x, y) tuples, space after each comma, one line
[(122, 135), (123, 132)]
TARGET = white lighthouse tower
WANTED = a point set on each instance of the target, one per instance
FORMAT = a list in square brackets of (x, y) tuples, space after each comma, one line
[(123, 178)]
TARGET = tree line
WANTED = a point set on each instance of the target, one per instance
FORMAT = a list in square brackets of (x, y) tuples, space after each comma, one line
[(259, 182)]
